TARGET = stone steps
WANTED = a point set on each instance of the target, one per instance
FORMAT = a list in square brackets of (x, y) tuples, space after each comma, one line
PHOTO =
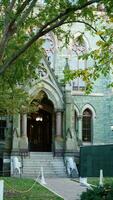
[(52, 166)]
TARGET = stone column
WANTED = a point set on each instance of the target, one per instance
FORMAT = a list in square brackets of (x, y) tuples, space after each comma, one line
[(71, 139), (24, 125), (24, 138), (16, 132), (58, 124), (58, 136)]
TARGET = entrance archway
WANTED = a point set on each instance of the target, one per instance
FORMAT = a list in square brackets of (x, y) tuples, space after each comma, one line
[(40, 126)]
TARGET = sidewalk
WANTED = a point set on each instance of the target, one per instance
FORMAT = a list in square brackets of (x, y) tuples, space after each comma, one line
[(68, 189)]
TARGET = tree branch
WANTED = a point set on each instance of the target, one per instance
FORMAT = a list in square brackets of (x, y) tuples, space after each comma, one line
[(9, 29), (27, 12), (12, 3), (28, 44), (19, 11), (59, 20), (70, 10), (5, 37), (87, 24)]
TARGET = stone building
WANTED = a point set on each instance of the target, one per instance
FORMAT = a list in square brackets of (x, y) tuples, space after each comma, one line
[(66, 117)]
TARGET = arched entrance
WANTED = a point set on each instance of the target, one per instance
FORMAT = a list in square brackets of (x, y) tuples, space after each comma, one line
[(40, 125)]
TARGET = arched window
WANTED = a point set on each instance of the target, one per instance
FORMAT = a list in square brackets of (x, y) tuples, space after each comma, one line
[(87, 125), (78, 48)]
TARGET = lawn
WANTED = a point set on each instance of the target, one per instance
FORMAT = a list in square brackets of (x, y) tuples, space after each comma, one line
[(95, 181), (26, 189)]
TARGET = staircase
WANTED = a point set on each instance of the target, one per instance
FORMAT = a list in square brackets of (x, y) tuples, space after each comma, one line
[(52, 166)]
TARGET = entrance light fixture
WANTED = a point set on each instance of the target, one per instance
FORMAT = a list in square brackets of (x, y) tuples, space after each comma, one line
[(39, 119)]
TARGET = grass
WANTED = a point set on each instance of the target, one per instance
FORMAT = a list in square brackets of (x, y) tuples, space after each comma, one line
[(95, 181), (14, 188)]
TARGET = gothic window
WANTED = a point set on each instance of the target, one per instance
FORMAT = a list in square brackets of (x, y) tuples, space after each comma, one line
[(49, 46), (86, 125), (75, 63), (2, 128)]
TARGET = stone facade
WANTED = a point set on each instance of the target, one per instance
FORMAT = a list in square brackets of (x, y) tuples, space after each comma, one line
[(66, 101)]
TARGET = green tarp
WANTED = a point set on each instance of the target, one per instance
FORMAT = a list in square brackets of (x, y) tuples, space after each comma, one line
[(96, 157)]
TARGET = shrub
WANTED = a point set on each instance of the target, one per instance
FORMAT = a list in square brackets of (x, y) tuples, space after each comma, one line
[(98, 193)]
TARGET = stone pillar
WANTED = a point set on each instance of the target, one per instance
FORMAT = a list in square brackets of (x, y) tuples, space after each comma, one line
[(16, 132), (58, 124), (24, 125), (58, 136), (71, 139), (24, 138)]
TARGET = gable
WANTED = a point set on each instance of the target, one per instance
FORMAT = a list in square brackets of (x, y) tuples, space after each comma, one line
[(48, 83)]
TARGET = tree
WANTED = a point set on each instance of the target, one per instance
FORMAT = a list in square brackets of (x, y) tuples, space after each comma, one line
[(23, 23)]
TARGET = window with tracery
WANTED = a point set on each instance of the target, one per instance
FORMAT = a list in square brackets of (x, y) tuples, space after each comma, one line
[(87, 126), (49, 47), (75, 63)]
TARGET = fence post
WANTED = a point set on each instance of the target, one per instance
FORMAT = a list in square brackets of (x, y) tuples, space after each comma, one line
[(42, 177), (1, 189), (101, 178)]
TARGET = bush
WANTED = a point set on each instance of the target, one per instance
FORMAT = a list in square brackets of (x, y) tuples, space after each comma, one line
[(98, 193)]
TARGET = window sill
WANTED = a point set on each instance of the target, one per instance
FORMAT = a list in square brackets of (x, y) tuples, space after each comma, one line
[(82, 93)]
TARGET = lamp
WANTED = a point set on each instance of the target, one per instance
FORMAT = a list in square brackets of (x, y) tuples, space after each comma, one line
[(39, 119)]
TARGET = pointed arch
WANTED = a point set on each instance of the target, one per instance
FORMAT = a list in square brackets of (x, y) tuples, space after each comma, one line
[(87, 125), (52, 93), (90, 107), (88, 117), (76, 110)]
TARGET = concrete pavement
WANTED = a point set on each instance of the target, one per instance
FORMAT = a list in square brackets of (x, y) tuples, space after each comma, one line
[(68, 189)]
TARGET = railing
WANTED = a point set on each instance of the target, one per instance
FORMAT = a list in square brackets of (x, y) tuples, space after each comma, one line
[(20, 152), (5, 160)]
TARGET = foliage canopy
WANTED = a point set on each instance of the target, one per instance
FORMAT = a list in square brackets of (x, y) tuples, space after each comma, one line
[(23, 23)]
